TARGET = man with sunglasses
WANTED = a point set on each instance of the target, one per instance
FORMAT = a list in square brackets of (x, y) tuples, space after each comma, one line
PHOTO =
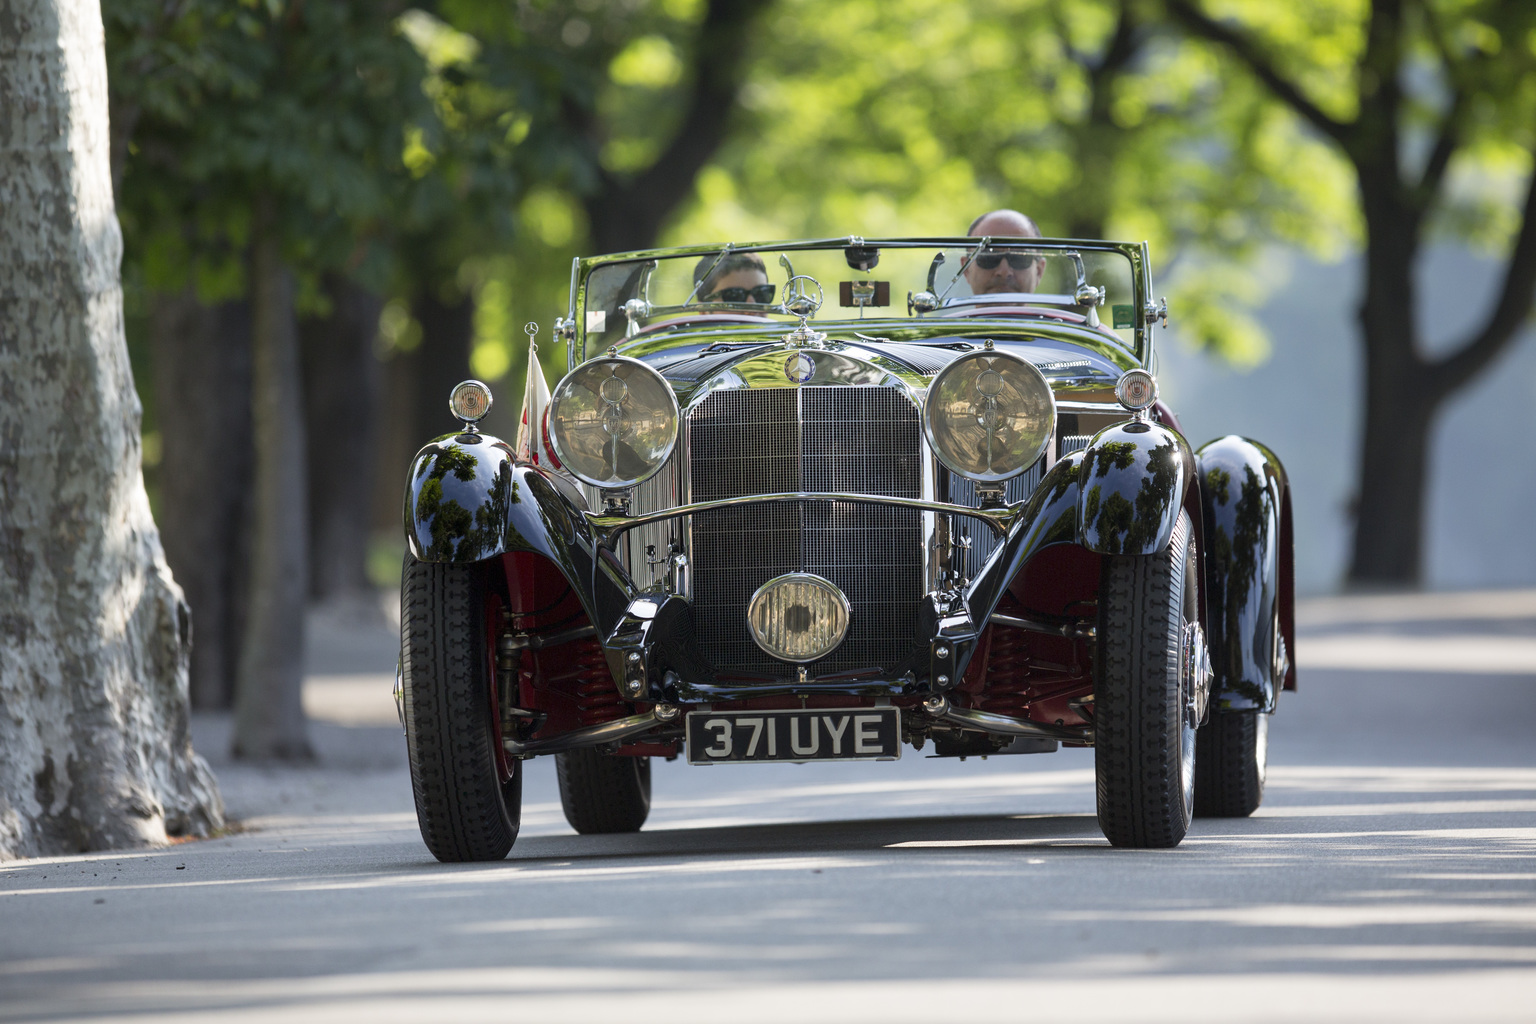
[(738, 277), (1002, 270)]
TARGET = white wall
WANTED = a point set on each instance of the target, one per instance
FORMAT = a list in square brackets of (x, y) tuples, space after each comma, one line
[(1304, 402)]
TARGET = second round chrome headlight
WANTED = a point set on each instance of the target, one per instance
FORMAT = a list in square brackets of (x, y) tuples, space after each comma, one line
[(989, 415), (613, 422)]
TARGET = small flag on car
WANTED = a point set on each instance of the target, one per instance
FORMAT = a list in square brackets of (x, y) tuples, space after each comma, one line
[(532, 438)]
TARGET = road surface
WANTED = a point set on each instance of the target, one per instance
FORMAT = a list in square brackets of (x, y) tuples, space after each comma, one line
[(1390, 875)]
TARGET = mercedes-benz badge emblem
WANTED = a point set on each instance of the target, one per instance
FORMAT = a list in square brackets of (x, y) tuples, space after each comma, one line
[(800, 368)]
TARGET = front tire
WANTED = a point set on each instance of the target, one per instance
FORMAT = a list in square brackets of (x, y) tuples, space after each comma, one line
[(1144, 725), (602, 793), (1232, 756), (469, 795)]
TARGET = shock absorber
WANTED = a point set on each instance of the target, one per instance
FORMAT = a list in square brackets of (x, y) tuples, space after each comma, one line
[(509, 658)]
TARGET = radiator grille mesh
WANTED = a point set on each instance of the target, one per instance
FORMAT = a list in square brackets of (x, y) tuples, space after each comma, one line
[(859, 439), (983, 540)]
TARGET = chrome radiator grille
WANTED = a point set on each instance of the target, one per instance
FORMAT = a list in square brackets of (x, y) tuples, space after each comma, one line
[(659, 492), (983, 540), (858, 439)]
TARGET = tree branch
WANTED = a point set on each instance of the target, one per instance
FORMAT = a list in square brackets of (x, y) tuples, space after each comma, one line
[(1122, 45), (1448, 137), (626, 214), (1509, 315), (1446, 142), (1246, 50)]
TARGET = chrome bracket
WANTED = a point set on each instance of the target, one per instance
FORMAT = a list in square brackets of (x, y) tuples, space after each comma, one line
[(991, 495), (1195, 665)]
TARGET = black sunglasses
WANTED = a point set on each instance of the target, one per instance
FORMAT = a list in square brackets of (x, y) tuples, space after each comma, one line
[(1016, 260), (761, 293)]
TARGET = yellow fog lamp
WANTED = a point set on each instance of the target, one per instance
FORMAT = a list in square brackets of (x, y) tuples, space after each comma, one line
[(799, 617), (469, 402), (989, 415), (613, 422)]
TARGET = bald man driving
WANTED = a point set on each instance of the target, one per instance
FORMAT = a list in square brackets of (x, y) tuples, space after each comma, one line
[(992, 272)]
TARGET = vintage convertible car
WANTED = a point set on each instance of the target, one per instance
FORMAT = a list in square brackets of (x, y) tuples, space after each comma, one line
[(744, 531)]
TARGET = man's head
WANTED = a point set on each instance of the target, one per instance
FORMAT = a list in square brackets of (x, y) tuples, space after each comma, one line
[(1003, 275), (742, 274)]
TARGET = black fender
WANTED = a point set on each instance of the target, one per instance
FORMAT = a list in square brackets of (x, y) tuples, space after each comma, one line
[(1049, 516), (468, 499), (1245, 505), (1134, 478)]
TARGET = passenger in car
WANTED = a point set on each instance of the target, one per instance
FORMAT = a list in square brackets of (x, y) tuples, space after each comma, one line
[(992, 272), (739, 277)]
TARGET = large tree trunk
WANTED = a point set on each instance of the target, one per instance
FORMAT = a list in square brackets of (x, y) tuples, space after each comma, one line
[(202, 370), (341, 394), (269, 707), (1400, 401), (94, 751)]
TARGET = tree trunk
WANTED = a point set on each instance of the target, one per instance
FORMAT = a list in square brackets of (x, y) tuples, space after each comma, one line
[(94, 750), (341, 393), (442, 360), (1400, 402), (269, 708), (202, 370)]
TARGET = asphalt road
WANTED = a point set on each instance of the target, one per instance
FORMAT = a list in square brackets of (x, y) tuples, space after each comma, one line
[(1390, 875)]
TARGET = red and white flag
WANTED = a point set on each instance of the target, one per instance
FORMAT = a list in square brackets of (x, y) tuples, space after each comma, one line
[(532, 435)]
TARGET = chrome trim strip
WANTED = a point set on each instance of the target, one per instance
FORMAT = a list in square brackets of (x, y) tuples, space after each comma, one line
[(1092, 408), (611, 527)]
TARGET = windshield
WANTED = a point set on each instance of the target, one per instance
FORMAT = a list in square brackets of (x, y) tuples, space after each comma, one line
[(623, 298)]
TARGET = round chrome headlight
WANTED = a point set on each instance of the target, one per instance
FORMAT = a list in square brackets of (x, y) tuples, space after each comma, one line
[(1136, 390), (989, 415), (798, 617), (470, 401), (613, 422)]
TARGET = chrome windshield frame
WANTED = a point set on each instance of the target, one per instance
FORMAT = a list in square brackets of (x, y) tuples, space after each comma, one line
[(1136, 254)]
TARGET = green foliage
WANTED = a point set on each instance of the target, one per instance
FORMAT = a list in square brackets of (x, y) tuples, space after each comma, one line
[(219, 106), (913, 116)]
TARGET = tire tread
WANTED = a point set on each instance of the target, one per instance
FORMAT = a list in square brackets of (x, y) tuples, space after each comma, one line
[(464, 810), (1136, 703), (602, 793), (1229, 781)]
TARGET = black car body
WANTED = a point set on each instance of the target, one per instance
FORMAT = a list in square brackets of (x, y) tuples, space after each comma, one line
[(751, 531)]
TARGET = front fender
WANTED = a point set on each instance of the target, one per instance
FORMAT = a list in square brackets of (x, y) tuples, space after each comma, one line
[(1133, 480), (468, 499), (1049, 516), (1244, 501)]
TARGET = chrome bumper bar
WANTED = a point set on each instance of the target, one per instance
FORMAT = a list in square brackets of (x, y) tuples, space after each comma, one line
[(609, 527), (985, 721), (594, 735)]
